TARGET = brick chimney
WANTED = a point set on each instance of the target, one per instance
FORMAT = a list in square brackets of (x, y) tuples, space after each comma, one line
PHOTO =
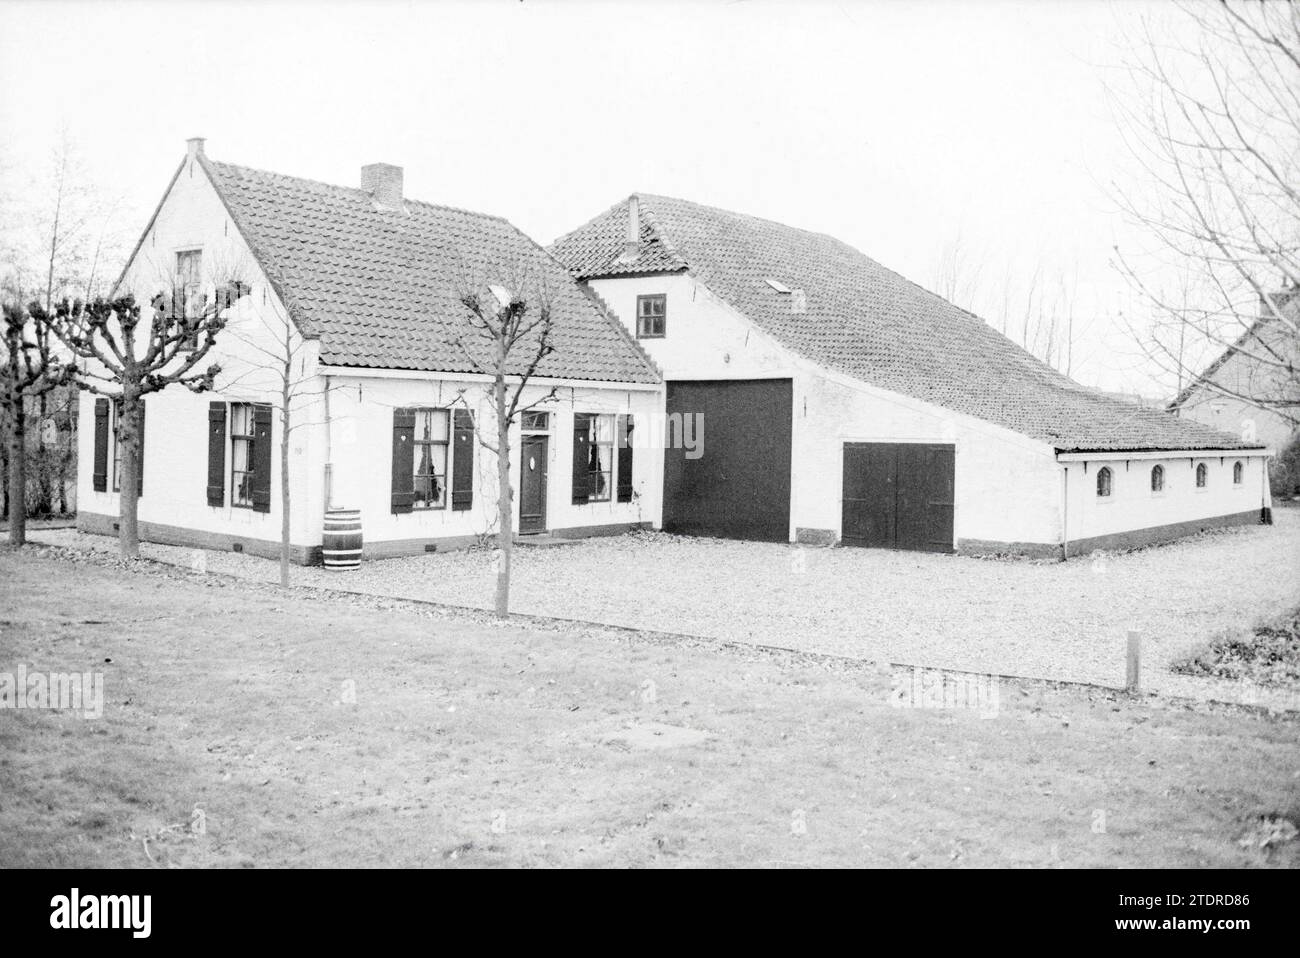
[(383, 181), (194, 146)]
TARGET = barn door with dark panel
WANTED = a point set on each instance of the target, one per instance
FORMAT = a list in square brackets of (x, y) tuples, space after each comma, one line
[(912, 492), (868, 511), (898, 496), (532, 485), (941, 463)]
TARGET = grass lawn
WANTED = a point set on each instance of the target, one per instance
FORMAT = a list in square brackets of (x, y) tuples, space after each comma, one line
[(470, 744), (1045, 620)]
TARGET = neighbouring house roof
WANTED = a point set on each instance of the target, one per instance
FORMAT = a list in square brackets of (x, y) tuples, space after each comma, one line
[(381, 288), (868, 322), (1287, 300)]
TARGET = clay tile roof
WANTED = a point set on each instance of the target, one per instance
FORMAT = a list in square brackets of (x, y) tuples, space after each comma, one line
[(381, 288), (868, 322)]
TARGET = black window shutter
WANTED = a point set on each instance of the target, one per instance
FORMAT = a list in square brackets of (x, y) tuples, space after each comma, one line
[(624, 458), (216, 454), (99, 477), (261, 458), (139, 459), (403, 460), (462, 461), (581, 458)]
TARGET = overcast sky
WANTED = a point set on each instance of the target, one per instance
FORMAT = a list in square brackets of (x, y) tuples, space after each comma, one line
[(896, 127)]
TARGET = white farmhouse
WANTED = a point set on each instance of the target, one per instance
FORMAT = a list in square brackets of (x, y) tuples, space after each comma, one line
[(366, 285), (843, 403), (712, 373)]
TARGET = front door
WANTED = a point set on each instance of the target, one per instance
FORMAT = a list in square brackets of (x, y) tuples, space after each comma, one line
[(532, 485)]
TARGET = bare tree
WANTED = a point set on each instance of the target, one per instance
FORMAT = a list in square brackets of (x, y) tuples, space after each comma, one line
[(957, 277), (120, 357), (277, 367), (511, 320), (61, 227), (1212, 116), (31, 370)]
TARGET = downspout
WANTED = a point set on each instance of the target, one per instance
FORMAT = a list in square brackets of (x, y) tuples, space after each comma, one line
[(329, 455), (1266, 494), (1065, 512)]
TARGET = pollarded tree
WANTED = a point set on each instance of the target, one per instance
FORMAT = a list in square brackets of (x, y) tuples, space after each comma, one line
[(31, 369), (124, 352), (512, 336)]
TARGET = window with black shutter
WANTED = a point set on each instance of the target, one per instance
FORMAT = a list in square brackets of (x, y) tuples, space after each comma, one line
[(432, 442), (262, 458), (581, 457), (116, 434), (99, 476), (139, 464), (625, 427), (216, 454), (462, 461), (593, 458), (403, 481), (242, 440), (250, 456)]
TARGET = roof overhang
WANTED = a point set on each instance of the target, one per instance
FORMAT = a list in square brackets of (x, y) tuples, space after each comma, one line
[(632, 274), (1161, 454), (374, 372)]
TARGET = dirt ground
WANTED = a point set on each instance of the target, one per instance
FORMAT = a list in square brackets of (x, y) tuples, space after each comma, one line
[(1063, 621), (245, 727)]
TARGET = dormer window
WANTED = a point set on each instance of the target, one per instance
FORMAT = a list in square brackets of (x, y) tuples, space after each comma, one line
[(651, 316)]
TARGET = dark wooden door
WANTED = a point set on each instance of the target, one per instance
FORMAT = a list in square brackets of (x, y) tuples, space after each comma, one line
[(735, 482), (532, 484), (898, 496)]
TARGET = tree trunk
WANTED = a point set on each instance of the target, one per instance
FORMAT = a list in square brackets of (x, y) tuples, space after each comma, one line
[(505, 499), (129, 444), (284, 485), (17, 476)]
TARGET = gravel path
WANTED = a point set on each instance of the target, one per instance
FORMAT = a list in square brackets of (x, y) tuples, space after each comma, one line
[(1064, 621)]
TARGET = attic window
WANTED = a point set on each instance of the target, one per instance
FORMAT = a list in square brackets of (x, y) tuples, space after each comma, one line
[(777, 285), (651, 316)]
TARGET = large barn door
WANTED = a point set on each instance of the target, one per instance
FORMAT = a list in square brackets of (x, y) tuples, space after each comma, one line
[(898, 496), (736, 482)]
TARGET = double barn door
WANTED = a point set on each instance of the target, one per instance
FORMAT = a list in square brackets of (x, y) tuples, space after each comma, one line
[(898, 496)]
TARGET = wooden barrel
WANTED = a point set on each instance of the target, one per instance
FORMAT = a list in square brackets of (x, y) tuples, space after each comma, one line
[(341, 543)]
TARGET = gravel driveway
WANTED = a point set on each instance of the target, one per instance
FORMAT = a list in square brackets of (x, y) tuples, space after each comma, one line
[(1037, 619)]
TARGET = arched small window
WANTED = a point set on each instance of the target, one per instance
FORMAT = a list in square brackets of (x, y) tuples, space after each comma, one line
[(1202, 475), (1103, 481), (1237, 470), (1157, 478)]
